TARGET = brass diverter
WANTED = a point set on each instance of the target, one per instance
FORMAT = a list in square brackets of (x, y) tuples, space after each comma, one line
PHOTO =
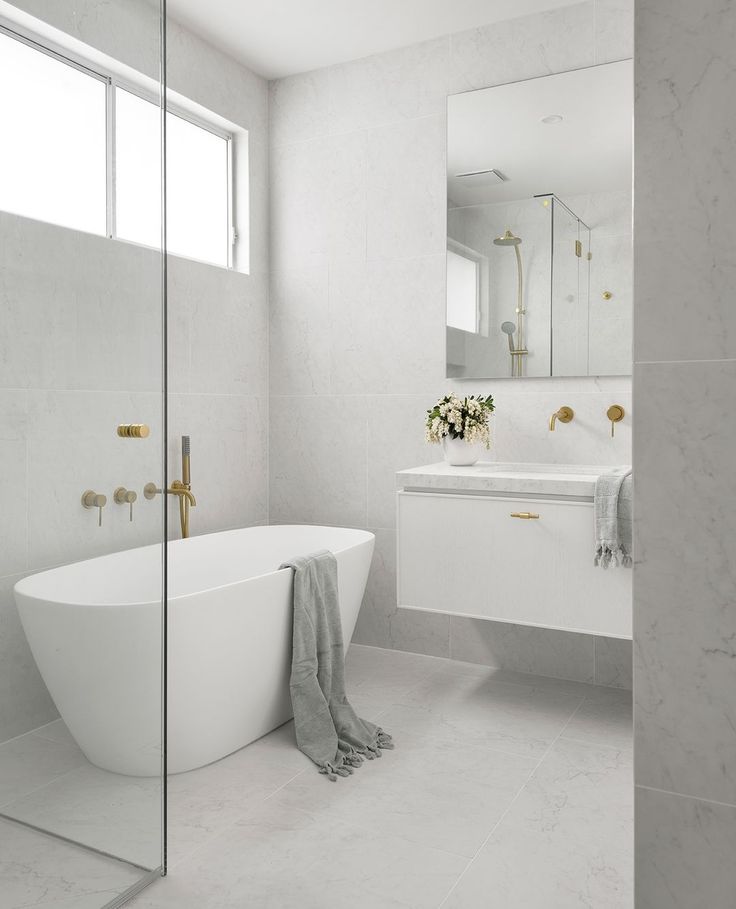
[(615, 414), (564, 415), (92, 499), (123, 496), (133, 431)]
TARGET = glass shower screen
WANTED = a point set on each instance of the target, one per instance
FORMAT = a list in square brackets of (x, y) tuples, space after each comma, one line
[(82, 560)]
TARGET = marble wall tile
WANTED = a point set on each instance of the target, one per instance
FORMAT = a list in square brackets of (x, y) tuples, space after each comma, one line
[(522, 428), (686, 579), (383, 318), (543, 651), (405, 187), (26, 702), (63, 464), (403, 84), (300, 330), (684, 852), (82, 331), (318, 199), (614, 30), (395, 441), (227, 327), (550, 42), (37, 304), (362, 190), (613, 662), (129, 32), (685, 262), (379, 602), (318, 460), (299, 107)]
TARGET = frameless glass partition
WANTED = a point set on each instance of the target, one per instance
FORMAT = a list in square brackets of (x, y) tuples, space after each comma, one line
[(82, 432)]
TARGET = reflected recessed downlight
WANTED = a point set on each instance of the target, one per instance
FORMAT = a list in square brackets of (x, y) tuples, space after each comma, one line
[(553, 118)]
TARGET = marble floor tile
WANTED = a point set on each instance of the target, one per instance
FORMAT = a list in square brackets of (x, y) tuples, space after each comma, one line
[(581, 796), (40, 871), (281, 857), (504, 790), (518, 868), (605, 718), (118, 815), (436, 793), (518, 719), (29, 762)]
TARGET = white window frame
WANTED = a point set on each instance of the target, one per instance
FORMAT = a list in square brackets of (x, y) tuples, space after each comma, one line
[(112, 82)]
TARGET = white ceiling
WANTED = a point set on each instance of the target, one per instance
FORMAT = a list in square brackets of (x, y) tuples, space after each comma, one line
[(281, 37), (500, 128)]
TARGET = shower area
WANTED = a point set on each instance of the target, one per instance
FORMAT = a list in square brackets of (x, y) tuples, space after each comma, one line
[(83, 430), (518, 288)]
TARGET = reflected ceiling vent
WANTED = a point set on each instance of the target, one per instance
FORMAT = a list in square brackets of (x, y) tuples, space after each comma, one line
[(484, 177)]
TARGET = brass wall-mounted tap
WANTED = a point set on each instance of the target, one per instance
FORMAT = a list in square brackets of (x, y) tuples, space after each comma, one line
[(181, 488), (564, 415)]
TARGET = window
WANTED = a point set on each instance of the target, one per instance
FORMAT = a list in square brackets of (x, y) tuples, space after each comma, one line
[(53, 161), (463, 287), (63, 166)]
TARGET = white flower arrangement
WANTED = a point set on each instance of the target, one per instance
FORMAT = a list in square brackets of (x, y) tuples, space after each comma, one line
[(460, 418)]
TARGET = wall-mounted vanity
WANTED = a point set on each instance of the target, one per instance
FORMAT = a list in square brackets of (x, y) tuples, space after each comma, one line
[(510, 543)]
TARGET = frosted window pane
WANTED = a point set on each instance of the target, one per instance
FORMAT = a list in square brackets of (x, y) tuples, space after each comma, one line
[(52, 154), (462, 292), (137, 169), (196, 182), (196, 192)]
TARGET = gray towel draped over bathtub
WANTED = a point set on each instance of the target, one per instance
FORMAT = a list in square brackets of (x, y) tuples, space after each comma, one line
[(613, 520), (328, 730)]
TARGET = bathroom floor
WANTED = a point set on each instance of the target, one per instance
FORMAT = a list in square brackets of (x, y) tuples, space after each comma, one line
[(504, 790)]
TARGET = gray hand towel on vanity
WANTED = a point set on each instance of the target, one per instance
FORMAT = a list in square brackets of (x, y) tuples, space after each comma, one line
[(328, 730), (613, 520)]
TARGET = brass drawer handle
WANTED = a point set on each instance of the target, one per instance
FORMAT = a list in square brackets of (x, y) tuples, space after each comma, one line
[(525, 515)]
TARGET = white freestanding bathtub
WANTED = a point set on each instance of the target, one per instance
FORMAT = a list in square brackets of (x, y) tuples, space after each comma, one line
[(95, 630)]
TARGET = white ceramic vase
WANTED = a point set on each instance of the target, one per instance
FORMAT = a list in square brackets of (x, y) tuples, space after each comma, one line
[(459, 453)]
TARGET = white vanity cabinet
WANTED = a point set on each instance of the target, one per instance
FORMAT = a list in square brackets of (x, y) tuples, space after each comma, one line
[(461, 552)]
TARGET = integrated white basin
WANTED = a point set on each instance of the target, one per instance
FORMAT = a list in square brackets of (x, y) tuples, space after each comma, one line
[(512, 478)]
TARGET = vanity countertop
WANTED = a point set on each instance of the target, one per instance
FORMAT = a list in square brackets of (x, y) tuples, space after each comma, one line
[(494, 476)]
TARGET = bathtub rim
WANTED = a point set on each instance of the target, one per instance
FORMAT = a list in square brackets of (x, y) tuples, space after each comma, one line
[(362, 536)]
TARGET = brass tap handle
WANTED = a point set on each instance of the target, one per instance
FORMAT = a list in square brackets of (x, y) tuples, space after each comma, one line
[(525, 515), (150, 491), (123, 496), (615, 414), (92, 499)]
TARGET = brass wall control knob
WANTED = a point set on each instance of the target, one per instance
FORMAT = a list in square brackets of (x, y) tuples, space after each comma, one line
[(123, 496), (615, 414), (133, 431), (92, 499)]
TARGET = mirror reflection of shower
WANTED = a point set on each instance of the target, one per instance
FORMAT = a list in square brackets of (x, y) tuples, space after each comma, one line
[(517, 351)]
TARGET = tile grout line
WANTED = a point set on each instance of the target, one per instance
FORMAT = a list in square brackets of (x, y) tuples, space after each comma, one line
[(512, 803), (215, 836), (684, 795)]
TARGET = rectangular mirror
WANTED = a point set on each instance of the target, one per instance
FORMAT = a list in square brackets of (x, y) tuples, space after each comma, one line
[(539, 243)]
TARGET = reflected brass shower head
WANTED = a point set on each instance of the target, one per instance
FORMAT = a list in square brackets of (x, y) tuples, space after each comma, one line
[(508, 239)]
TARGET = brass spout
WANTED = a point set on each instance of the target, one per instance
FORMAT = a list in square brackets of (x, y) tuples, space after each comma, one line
[(564, 415), (179, 489)]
